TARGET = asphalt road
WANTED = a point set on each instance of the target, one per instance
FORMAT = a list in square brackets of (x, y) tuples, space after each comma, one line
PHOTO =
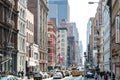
[(68, 78)]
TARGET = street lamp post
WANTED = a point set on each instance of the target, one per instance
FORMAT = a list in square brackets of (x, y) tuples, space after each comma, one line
[(92, 2), (85, 62)]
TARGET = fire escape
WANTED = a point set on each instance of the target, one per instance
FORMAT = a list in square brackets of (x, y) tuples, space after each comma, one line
[(8, 44)]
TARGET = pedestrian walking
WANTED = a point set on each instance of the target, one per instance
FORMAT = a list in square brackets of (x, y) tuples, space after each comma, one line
[(100, 74), (22, 74), (19, 74), (105, 76), (113, 76), (96, 76)]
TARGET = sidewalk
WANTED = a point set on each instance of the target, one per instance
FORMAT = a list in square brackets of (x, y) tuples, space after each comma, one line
[(25, 78), (103, 78)]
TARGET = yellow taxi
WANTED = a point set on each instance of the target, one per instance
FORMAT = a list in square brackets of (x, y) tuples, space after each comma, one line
[(76, 72)]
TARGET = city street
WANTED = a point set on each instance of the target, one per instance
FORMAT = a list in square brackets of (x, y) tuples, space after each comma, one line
[(67, 78), (56, 38), (70, 78)]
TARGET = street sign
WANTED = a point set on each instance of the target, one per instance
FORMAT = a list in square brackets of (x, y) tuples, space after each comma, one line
[(117, 64)]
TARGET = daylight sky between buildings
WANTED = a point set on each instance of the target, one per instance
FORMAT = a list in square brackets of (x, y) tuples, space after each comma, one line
[(80, 12)]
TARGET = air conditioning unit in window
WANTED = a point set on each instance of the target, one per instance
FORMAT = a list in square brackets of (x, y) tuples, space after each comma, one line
[(11, 22)]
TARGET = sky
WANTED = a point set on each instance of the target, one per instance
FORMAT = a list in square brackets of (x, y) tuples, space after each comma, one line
[(80, 12)]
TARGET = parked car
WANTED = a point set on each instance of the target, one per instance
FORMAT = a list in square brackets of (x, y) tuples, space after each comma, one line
[(43, 76), (46, 75), (67, 73), (51, 73), (58, 75), (89, 74), (39, 72), (37, 76), (9, 77)]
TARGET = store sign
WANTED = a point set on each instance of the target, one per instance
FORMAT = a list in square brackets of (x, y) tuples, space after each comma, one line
[(43, 61), (31, 63), (117, 64)]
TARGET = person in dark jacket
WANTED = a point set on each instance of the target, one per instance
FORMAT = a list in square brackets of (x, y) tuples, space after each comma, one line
[(113, 75), (105, 76), (22, 74)]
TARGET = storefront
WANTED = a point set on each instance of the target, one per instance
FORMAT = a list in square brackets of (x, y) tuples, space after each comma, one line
[(32, 66), (116, 65), (117, 69), (43, 65)]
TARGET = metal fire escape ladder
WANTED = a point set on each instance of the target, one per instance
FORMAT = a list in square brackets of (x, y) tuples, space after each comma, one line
[(8, 41), (10, 17)]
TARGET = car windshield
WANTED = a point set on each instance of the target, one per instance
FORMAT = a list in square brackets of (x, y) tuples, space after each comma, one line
[(58, 73), (9, 78), (89, 73), (12, 78)]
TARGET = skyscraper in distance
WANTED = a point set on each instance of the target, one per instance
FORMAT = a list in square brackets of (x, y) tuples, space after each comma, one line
[(58, 9)]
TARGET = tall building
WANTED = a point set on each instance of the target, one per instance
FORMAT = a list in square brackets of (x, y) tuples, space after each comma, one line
[(71, 27), (81, 52), (73, 37), (61, 47), (39, 9), (32, 49), (8, 37), (115, 36), (22, 7), (58, 9), (71, 51), (106, 37), (73, 34), (89, 36), (94, 42), (51, 44), (100, 37)]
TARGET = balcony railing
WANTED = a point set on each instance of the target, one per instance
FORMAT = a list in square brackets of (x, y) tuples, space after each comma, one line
[(5, 59), (9, 45)]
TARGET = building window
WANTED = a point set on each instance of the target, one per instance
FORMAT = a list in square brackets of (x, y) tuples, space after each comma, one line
[(117, 36), (48, 50), (23, 28), (22, 61), (62, 44), (117, 22), (63, 35), (20, 27), (49, 35), (62, 49), (20, 11), (62, 40), (49, 59), (62, 31), (36, 56), (22, 44), (23, 14), (48, 42)]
